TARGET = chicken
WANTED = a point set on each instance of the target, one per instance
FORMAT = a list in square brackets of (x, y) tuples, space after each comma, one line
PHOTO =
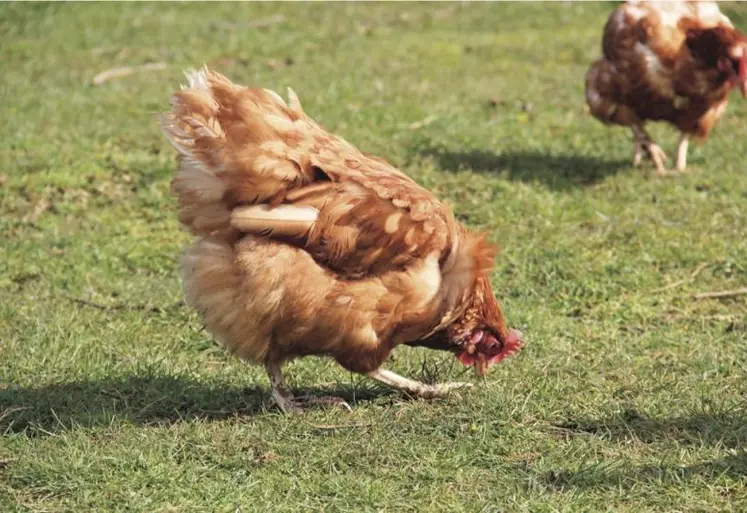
[(667, 61), (306, 246)]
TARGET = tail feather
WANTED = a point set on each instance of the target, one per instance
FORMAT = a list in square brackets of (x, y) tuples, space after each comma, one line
[(235, 145)]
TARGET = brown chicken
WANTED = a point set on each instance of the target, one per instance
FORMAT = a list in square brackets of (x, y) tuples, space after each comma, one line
[(666, 61), (306, 246)]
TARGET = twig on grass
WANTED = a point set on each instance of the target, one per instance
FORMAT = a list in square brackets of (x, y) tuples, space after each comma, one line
[(694, 275), (719, 294)]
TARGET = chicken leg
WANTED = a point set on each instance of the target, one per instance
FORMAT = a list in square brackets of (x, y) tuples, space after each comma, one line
[(285, 400), (643, 142), (682, 146), (412, 387)]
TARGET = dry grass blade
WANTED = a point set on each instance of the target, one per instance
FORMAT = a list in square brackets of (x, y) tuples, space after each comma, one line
[(266, 22), (422, 123), (720, 294), (10, 411), (676, 284), (123, 306), (341, 426), (124, 71)]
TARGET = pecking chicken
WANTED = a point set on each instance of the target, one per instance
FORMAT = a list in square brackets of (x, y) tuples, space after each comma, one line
[(306, 246), (666, 61)]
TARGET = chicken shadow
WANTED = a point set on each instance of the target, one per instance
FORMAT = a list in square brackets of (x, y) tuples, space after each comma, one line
[(722, 429), (142, 400), (599, 476), (728, 429), (555, 171)]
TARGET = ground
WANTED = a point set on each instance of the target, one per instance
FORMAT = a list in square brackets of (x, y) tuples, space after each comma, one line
[(629, 395)]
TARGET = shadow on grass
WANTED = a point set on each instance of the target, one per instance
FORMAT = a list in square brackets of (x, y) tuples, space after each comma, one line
[(605, 476), (158, 400), (558, 172), (726, 430)]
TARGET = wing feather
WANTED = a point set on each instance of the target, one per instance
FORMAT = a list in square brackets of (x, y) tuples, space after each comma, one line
[(284, 176)]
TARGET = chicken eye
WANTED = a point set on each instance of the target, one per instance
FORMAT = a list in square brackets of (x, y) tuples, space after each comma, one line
[(493, 340)]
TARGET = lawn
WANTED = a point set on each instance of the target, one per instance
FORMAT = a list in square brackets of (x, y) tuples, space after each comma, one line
[(629, 396)]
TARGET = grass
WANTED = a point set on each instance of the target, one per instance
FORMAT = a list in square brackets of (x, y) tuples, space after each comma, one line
[(626, 398)]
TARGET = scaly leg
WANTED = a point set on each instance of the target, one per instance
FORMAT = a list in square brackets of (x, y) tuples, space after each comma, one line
[(285, 400), (642, 142), (637, 153), (682, 152), (281, 394), (412, 387)]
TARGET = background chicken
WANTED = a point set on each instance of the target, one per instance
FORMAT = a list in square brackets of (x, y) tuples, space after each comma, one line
[(308, 246), (668, 61)]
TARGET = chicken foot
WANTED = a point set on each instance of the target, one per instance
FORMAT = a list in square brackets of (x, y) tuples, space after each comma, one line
[(642, 142), (288, 403), (285, 399), (413, 387)]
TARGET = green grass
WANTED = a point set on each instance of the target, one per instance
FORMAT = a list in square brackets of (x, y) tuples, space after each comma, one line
[(626, 398)]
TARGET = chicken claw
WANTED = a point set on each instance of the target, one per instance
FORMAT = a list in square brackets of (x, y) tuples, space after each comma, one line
[(287, 403), (285, 400), (658, 156), (413, 387), (642, 142)]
